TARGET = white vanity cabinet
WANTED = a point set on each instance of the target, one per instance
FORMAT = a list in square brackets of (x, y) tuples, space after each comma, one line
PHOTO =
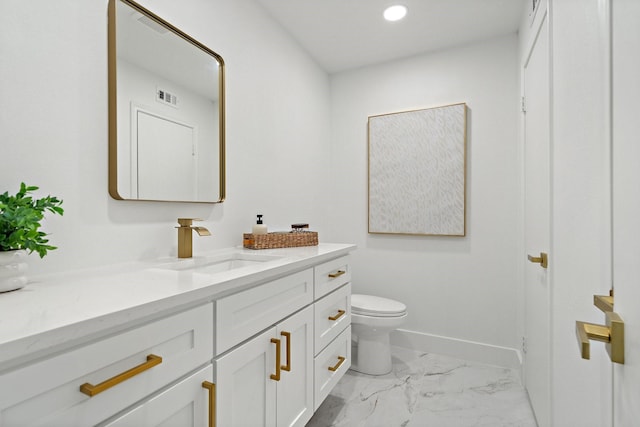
[(261, 346), (332, 320), (271, 379), (89, 384), (268, 381)]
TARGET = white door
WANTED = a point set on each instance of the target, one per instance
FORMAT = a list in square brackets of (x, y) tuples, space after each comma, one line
[(537, 217), (245, 392), (626, 205), (295, 388), (166, 159)]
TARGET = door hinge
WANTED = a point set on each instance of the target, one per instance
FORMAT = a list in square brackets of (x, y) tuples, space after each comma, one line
[(522, 105), (524, 345)]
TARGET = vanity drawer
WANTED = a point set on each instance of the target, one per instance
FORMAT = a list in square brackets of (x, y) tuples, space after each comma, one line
[(185, 404), (242, 315), (331, 365), (48, 393), (331, 275), (331, 315)]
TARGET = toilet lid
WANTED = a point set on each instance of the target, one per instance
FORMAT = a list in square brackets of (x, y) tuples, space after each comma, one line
[(370, 305)]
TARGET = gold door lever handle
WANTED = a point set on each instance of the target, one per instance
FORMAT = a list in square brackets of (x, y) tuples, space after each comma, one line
[(543, 259), (612, 334), (603, 302)]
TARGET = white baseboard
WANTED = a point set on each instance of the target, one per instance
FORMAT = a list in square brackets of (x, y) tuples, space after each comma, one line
[(467, 350)]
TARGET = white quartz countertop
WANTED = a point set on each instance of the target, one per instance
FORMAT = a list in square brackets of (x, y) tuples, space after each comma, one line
[(55, 312)]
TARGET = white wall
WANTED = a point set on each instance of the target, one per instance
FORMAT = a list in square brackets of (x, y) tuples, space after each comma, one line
[(458, 287), (283, 160), (53, 128)]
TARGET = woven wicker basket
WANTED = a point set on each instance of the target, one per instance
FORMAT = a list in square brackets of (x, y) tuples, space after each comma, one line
[(280, 240)]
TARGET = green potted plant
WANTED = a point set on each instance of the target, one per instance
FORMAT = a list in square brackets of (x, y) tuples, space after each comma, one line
[(20, 217)]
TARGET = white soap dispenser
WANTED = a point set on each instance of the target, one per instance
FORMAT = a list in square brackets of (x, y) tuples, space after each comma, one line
[(259, 227)]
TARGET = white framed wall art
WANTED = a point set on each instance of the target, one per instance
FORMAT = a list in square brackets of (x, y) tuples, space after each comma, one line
[(417, 172)]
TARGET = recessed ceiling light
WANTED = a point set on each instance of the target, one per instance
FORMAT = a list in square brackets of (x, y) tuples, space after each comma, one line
[(395, 13)]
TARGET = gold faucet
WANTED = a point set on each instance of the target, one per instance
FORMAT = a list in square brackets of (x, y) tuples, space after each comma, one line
[(185, 237)]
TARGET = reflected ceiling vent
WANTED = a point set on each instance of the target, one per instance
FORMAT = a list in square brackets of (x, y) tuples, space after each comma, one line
[(166, 98), (149, 23), (153, 25)]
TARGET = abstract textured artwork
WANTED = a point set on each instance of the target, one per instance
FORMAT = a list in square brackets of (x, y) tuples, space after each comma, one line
[(417, 172)]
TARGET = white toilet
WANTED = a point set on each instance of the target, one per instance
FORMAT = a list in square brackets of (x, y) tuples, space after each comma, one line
[(372, 319)]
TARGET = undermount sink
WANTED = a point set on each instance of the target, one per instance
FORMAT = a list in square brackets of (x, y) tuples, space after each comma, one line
[(219, 263)]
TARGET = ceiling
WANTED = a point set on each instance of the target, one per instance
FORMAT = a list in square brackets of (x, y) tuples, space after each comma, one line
[(346, 34)]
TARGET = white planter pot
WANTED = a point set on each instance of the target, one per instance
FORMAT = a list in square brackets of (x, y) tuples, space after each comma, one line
[(13, 269)]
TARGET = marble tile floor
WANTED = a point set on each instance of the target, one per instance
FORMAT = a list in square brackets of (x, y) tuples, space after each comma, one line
[(425, 390)]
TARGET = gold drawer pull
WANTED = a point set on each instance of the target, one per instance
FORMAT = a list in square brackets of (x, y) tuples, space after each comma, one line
[(337, 316), (92, 390), (276, 376), (337, 365), (337, 274), (212, 402), (287, 367)]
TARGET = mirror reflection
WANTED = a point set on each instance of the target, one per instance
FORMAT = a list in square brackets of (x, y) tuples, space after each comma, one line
[(166, 111)]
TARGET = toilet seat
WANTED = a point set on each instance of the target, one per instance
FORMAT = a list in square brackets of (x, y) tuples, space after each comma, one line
[(370, 305)]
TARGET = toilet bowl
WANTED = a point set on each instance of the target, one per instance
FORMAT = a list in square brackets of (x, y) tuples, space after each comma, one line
[(372, 320)]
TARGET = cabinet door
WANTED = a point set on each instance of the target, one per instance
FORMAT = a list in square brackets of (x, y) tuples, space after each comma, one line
[(295, 388), (185, 404), (245, 392)]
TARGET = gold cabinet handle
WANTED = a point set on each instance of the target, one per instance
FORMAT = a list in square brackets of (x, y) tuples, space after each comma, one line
[(287, 367), (212, 402), (337, 365), (612, 334), (276, 376), (543, 259), (337, 316), (337, 274), (91, 390)]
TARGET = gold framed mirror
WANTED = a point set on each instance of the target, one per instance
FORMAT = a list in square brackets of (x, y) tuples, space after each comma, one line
[(166, 111)]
